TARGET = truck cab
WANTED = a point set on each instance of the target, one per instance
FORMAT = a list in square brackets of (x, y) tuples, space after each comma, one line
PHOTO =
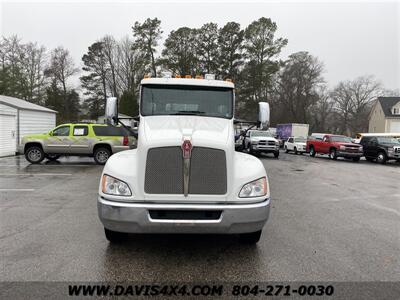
[(185, 175)]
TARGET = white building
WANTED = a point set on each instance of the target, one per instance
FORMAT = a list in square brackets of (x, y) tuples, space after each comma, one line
[(18, 118)]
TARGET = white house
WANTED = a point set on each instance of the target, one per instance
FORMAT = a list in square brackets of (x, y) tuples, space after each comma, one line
[(18, 118), (385, 115)]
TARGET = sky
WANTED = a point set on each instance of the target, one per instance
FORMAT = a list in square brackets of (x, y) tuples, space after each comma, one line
[(351, 38)]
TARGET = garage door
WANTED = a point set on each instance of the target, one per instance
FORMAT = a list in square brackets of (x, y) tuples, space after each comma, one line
[(395, 126), (8, 143)]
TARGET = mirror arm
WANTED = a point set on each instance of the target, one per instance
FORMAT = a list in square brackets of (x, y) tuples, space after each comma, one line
[(134, 134)]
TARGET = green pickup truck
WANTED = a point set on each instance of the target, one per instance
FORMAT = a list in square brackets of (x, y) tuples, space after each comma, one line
[(99, 141)]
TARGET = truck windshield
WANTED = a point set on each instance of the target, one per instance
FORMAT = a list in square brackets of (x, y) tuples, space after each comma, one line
[(299, 140), (186, 100), (341, 139), (261, 133)]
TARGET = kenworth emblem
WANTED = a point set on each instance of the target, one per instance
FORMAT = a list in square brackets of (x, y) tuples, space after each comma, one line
[(186, 153)]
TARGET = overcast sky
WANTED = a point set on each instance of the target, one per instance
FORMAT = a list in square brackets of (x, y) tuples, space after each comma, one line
[(352, 39)]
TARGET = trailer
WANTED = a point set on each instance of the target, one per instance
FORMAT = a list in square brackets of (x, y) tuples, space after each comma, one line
[(284, 131)]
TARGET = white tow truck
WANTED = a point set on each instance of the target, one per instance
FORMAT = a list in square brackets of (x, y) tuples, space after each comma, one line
[(184, 176)]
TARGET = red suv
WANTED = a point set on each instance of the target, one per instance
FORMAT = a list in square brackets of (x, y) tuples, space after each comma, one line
[(335, 146)]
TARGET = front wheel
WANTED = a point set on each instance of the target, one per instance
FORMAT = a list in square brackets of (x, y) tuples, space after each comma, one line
[(295, 151), (276, 154), (286, 149), (34, 154), (250, 238), (312, 151), (101, 155), (382, 158), (332, 154), (356, 159), (114, 236)]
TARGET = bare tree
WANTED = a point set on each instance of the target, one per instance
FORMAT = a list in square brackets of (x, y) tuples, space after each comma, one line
[(353, 101)]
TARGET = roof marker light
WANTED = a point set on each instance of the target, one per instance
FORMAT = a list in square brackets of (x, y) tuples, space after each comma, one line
[(210, 76), (166, 74)]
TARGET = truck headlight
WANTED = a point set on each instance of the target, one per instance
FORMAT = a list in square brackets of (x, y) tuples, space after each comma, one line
[(254, 142), (277, 143), (256, 188), (342, 148), (114, 186), (360, 148)]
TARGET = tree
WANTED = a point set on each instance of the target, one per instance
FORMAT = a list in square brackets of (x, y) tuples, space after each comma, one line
[(179, 54), (230, 41), (261, 51), (353, 101), (59, 71), (298, 84), (128, 104), (147, 36), (22, 69), (95, 82), (207, 48)]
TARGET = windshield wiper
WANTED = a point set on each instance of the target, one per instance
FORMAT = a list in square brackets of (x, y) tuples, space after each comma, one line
[(189, 112)]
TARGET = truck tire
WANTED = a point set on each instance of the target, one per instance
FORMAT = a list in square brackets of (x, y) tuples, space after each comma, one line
[(250, 238), (34, 154), (286, 149), (101, 155), (114, 236), (276, 154), (356, 159), (295, 150), (332, 154), (312, 151), (381, 158)]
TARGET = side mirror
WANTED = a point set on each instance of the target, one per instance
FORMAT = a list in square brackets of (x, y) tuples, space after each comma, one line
[(263, 112), (51, 133), (112, 111)]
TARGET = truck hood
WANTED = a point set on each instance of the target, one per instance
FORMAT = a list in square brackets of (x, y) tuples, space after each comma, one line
[(173, 129), (39, 136)]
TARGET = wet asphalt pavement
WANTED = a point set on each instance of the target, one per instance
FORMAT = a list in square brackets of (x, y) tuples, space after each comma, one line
[(330, 221)]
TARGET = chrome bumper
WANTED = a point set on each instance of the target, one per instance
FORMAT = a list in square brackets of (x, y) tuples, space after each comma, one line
[(269, 148), (349, 154), (135, 217)]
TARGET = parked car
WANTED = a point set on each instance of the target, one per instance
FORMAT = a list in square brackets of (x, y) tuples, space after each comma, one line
[(381, 148), (258, 141), (296, 144), (284, 131), (335, 146), (97, 140)]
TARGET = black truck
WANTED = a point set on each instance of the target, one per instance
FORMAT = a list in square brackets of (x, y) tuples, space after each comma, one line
[(381, 148)]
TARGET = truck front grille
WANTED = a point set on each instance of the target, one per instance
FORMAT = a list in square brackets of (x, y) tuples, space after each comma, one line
[(164, 171)]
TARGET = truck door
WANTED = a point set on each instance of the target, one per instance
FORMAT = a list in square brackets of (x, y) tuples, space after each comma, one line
[(59, 141), (80, 143), (324, 145), (373, 147)]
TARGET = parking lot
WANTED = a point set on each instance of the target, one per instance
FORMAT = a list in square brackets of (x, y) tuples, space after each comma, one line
[(330, 221)]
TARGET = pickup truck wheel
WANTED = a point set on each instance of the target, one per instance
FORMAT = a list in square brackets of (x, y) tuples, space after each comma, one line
[(250, 238), (332, 154), (276, 154), (52, 156), (312, 151), (381, 158), (34, 154), (295, 151), (114, 236), (356, 159), (101, 155), (286, 149)]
